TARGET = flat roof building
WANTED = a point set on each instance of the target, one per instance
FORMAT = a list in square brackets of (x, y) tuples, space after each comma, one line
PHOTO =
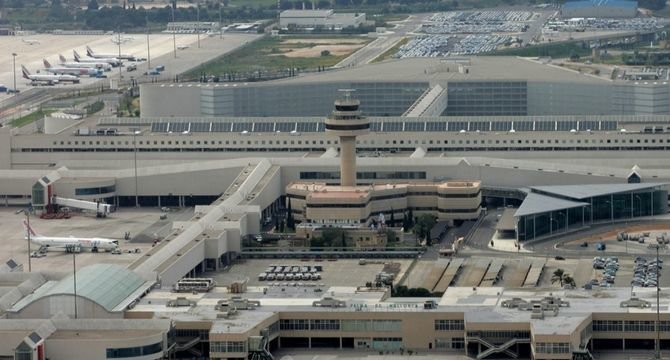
[(326, 19)]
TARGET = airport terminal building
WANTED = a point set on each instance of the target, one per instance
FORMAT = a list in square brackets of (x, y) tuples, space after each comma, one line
[(422, 87)]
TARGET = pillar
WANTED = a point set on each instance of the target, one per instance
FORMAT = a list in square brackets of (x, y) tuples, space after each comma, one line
[(348, 160), (159, 201)]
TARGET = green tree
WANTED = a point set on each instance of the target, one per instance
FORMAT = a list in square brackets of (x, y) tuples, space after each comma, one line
[(290, 223), (332, 236), (410, 219), (561, 277), (422, 228), (325, 53)]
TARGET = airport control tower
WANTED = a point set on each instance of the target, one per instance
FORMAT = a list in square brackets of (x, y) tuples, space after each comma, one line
[(347, 123)]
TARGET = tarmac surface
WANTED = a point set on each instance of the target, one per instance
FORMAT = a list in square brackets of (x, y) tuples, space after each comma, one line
[(136, 221), (161, 50)]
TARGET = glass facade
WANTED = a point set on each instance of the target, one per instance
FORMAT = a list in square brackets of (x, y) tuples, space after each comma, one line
[(611, 207), (228, 346), (446, 325), (95, 190), (119, 353), (552, 348), (482, 98), (372, 325), (365, 175), (308, 99)]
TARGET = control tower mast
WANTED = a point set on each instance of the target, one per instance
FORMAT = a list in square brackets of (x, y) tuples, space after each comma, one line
[(346, 122)]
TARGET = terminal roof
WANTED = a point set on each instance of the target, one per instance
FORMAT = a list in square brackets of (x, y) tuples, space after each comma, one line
[(105, 284), (587, 191), (537, 204)]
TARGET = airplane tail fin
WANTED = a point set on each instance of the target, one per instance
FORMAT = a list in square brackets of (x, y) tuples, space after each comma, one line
[(46, 64), (89, 51), (62, 58), (29, 230), (76, 55), (26, 73)]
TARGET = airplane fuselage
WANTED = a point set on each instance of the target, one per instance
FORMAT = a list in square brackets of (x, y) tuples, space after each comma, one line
[(88, 65), (84, 243)]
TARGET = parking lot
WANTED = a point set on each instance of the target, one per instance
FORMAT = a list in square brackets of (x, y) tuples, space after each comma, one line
[(341, 272), (445, 45), (477, 22)]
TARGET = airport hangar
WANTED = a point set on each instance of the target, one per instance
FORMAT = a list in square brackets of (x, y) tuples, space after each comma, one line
[(475, 86)]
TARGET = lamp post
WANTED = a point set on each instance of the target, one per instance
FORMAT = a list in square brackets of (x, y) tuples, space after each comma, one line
[(198, 21), (640, 202), (566, 221), (135, 133), (74, 275), (657, 345), (14, 63), (174, 36), (28, 232), (148, 50)]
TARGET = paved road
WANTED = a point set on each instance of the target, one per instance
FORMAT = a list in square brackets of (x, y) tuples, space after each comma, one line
[(384, 42)]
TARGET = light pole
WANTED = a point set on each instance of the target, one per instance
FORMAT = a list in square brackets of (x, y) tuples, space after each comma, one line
[(657, 346), (14, 62), (197, 4), (74, 275), (566, 221), (28, 232), (148, 51), (174, 36), (135, 133)]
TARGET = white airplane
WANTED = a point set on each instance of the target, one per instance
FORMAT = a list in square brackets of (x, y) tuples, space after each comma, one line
[(92, 54), (95, 65), (31, 41), (46, 242), (48, 78), (90, 71), (111, 61), (182, 47)]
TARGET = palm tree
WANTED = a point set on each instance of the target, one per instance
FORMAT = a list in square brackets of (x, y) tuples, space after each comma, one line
[(559, 276), (568, 280)]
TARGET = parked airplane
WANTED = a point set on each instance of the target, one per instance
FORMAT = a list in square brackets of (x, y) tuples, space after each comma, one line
[(92, 54), (71, 242), (31, 41), (90, 71), (95, 65), (111, 61), (48, 78)]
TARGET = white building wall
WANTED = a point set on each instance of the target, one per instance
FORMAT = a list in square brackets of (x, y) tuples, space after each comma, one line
[(85, 348)]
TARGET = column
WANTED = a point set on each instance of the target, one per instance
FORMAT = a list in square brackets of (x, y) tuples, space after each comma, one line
[(348, 160)]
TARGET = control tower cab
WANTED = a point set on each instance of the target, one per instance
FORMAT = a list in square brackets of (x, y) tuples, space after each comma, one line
[(346, 122)]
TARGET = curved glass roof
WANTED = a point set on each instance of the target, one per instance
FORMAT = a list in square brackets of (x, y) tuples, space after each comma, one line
[(105, 284)]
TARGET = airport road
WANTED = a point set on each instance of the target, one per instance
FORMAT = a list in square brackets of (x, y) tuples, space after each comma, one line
[(385, 41)]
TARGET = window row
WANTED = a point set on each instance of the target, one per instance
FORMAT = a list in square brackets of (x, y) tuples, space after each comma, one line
[(552, 348), (119, 353), (446, 325), (228, 346)]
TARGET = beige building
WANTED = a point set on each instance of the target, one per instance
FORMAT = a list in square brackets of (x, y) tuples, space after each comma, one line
[(332, 204)]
